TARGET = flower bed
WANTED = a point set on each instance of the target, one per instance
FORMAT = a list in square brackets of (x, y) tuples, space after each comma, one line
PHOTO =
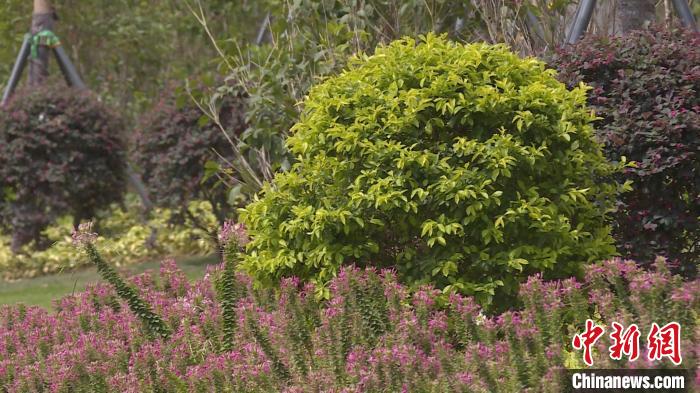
[(372, 335)]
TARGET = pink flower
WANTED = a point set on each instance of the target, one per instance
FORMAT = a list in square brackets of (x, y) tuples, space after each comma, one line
[(83, 235), (234, 232)]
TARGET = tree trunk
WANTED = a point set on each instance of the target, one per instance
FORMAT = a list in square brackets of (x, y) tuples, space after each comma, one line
[(633, 15), (42, 19)]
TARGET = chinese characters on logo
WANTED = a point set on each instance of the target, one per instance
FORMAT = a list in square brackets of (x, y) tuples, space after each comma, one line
[(586, 339), (665, 341), (624, 342), (662, 342)]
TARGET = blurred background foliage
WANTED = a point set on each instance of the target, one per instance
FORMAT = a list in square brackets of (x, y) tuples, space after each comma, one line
[(271, 51), (124, 236), (127, 49), (306, 41)]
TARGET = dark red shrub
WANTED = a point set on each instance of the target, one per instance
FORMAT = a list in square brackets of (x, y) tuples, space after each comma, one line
[(173, 145), (61, 152), (646, 91)]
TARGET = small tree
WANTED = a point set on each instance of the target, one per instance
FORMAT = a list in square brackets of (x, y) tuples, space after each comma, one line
[(172, 146), (43, 19), (61, 152)]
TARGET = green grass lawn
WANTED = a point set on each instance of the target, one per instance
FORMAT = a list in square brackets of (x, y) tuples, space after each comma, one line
[(42, 290)]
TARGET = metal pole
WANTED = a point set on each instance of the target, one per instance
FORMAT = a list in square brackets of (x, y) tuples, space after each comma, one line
[(583, 17), (136, 181), (262, 30), (20, 63), (67, 68), (534, 25), (686, 15)]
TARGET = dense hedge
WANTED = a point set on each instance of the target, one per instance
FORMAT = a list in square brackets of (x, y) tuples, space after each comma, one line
[(646, 91), (172, 145), (459, 165), (61, 152)]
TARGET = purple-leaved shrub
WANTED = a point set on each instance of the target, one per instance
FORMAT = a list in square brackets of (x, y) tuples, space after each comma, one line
[(373, 334), (173, 145), (646, 94), (62, 152)]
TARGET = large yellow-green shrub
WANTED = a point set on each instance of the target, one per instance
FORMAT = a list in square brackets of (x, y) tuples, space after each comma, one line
[(460, 165)]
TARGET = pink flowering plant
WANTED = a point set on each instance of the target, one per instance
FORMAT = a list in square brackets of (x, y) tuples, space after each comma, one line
[(232, 237), (83, 238), (372, 334)]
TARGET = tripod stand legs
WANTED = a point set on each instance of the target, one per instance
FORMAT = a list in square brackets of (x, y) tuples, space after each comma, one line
[(581, 21), (68, 69), (585, 11), (685, 14), (17, 69)]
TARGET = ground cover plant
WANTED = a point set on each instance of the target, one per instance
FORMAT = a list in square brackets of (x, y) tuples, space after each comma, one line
[(126, 238), (61, 152), (372, 334), (646, 91), (463, 166)]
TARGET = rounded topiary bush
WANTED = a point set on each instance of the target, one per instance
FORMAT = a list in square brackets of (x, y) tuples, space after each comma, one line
[(61, 152), (460, 165), (646, 92), (172, 146)]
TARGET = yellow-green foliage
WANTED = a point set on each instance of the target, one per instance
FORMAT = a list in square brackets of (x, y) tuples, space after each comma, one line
[(462, 166), (122, 240)]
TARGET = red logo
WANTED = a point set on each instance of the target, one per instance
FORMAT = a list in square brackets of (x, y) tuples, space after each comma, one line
[(586, 339), (624, 342), (661, 342), (665, 342)]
